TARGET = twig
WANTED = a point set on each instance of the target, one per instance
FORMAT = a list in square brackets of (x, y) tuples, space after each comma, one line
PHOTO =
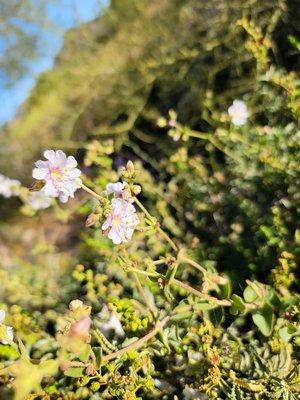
[(142, 292), (182, 258), (156, 226), (90, 191), (202, 295), (138, 343)]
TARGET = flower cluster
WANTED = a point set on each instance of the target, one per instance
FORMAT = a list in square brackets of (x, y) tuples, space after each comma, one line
[(9, 187), (61, 179), (6, 332)]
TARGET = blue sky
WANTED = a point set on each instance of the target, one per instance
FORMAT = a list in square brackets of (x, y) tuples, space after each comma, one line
[(65, 14)]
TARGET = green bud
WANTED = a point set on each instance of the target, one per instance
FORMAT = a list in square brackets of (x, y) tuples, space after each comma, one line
[(91, 220)]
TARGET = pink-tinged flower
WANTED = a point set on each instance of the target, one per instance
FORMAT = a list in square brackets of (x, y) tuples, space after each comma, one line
[(39, 200), (121, 222), (81, 327), (9, 187), (238, 112), (59, 173), (115, 188), (6, 332)]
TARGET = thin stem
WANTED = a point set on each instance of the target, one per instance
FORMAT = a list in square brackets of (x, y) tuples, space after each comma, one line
[(219, 280), (193, 263), (142, 292), (157, 227), (185, 286), (145, 211), (90, 191), (146, 273), (167, 237), (195, 292), (213, 141), (138, 343), (159, 262), (198, 135)]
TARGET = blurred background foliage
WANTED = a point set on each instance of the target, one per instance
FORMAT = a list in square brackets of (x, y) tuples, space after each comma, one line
[(229, 194)]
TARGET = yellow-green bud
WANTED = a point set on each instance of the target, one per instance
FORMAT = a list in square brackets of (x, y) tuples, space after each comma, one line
[(136, 189), (75, 304), (92, 219)]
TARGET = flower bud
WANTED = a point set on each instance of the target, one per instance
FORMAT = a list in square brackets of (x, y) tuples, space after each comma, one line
[(129, 172), (161, 122), (79, 268), (91, 220), (130, 167), (65, 365), (81, 327), (172, 123), (90, 370), (75, 304), (95, 386), (136, 189), (126, 194), (14, 369)]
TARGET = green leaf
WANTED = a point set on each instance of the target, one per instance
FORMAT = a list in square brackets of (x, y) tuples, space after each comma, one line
[(74, 372), (84, 356), (238, 305), (267, 231), (216, 316), (204, 306), (181, 316), (98, 355), (294, 41), (225, 290), (264, 320), (286, 333), (23, 351), (48, 367), (250, 294)]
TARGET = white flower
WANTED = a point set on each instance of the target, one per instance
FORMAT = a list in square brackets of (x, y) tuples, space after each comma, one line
[(6, 332), (121, 222), (38, 200), (9, 187), (238, 112), (59, 173), (112, 324), (115, 188)]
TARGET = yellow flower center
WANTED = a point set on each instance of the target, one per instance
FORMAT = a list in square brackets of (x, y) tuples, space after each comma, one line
[(116, 221), (55, 174)]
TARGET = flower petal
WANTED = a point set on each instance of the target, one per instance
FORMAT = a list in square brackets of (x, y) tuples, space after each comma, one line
[(71, 162), (50, 155), (40, 173)]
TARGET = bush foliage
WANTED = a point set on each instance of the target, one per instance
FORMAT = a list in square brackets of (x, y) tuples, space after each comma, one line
[(212, 313)]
